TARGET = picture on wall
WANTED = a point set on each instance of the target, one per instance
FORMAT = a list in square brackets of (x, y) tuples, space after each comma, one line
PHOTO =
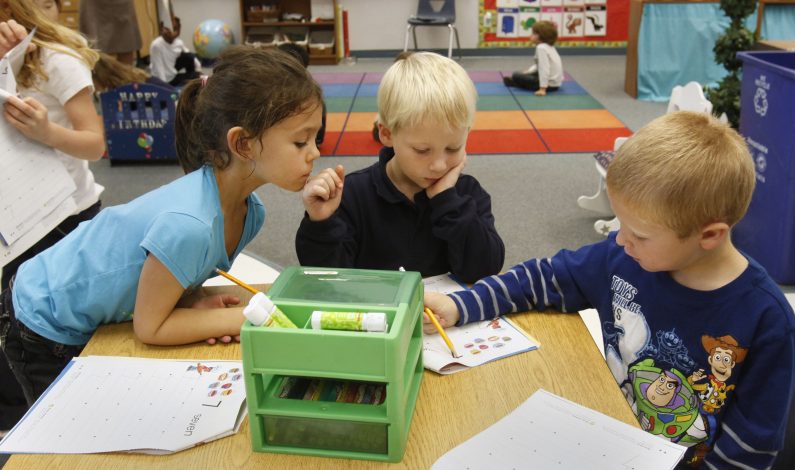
[(580, 23)]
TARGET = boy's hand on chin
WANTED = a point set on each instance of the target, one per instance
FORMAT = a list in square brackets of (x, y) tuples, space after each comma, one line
[(448, 180)]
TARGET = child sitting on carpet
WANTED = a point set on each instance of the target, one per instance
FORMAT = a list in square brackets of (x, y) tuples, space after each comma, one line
[(546, 73), (698, 336), (413, 208)]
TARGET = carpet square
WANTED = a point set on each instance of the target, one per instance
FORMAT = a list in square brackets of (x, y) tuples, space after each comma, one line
[(482, 76), (338, 78), (360, 122), (497, 103), (338, 104), (501, 120), (582, 140), (373, 77), (508, 120), (329, 143), (492, 88), (573, 119), (367, 104), (554, 101), (337, 89), (335, 122), (368, 89), (504, 141), (358, 144)]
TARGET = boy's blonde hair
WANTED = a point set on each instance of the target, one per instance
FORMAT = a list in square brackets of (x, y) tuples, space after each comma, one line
[(682, 171), (48, 35), (425, 86)]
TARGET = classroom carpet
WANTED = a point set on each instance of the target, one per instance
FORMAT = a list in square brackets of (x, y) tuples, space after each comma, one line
[(508, 120)]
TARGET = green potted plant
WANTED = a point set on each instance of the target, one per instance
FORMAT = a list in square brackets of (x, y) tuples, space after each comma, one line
[(725, 97)]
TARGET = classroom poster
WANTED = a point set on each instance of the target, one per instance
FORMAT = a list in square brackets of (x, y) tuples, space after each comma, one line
[(580, 23)]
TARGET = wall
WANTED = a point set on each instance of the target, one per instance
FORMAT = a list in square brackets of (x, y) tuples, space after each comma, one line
[(373, 24)]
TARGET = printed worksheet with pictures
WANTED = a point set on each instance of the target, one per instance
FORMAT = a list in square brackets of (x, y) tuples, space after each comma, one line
[(108, 404), (478, 343)]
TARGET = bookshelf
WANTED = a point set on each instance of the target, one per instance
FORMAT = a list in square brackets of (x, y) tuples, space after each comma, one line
[(266, 23)]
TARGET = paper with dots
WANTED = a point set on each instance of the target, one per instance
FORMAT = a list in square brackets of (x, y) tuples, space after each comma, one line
[(35, 186), (550, 432), (107, 404)]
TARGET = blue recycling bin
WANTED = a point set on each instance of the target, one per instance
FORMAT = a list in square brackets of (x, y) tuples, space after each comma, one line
[(767, 121)]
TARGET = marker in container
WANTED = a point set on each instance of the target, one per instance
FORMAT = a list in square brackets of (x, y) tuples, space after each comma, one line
[(352, 321), (262, 311)]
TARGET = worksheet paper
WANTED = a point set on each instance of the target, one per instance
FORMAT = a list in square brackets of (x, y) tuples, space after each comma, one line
[(477, 343), (108, 404), (35, 187), (548, 431)]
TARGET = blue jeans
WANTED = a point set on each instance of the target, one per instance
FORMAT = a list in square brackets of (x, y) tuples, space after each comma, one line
[(35, 361)]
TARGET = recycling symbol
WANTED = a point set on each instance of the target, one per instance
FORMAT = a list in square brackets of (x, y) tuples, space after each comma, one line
[(760, 101)]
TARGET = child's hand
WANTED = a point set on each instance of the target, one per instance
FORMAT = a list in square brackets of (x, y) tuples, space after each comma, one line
[(11, 34), (448, 180), (218, 301), (443, 307), (29, 117), (322, 194), (541, 92), (167, 33)]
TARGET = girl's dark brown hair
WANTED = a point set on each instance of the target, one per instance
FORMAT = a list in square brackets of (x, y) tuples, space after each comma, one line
[(249, 87)]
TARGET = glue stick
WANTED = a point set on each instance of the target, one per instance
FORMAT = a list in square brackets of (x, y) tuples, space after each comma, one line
[(354, 321), (261, 311)]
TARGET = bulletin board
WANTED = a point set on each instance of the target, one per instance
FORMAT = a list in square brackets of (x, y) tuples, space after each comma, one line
[(581, 23)]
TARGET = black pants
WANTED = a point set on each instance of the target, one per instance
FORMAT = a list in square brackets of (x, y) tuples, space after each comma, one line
[(529, 81), (34, 361), (185, 61), (12, 400)]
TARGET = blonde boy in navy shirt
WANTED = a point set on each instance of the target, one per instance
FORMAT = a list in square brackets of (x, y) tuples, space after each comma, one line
[(699, 338), (414, 208)]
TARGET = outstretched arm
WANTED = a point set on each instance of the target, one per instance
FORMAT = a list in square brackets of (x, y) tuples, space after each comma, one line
[(159, 320)]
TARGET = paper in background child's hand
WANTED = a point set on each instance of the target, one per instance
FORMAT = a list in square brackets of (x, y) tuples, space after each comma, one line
[(11, 64)]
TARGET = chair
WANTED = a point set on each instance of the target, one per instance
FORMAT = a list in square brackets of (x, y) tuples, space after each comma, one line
[(683, 98), (434, 13)]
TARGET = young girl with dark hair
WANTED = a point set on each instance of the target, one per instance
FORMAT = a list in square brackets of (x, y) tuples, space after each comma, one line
[(251, 123)]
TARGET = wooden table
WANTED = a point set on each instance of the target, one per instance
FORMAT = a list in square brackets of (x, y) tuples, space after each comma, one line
[(450, 409)]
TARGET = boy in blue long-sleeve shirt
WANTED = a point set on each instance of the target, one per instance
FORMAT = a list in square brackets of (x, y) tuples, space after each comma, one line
[(414, 208), (699, 338)]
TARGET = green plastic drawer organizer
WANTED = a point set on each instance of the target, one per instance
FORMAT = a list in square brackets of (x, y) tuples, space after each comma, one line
[(373, 362)]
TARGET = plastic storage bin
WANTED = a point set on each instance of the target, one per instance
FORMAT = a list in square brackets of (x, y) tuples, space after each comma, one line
[(382, 371), (767, 121)]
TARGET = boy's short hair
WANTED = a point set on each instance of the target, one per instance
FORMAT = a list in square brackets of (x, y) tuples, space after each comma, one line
[(426, 86), (682, 171), (547, 31)]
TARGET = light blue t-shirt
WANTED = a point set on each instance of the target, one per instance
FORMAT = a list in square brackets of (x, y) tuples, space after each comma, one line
[(91, 276)]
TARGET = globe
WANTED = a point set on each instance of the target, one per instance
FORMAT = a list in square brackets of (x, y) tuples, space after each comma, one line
[(211, 37)]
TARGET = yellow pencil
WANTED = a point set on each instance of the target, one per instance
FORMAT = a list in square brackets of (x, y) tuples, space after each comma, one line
[(441, 332), (236, 281), (244, 286)]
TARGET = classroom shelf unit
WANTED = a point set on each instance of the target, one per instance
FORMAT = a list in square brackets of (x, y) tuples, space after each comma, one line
[(267, 23), (364, 423)]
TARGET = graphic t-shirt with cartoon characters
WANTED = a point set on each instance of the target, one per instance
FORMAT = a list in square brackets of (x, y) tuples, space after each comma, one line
[(710, 370)]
